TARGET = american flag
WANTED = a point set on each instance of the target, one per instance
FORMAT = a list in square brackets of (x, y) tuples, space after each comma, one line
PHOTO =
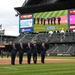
[(0, 26)]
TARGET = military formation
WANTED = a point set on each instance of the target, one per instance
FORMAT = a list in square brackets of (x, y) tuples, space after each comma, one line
[(30, 50), (49, 21)]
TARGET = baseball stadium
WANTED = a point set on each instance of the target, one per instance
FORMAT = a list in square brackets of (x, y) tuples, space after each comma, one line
[(46, 44)]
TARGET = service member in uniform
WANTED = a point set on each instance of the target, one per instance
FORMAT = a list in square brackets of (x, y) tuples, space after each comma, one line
[(44, 21), (48, 20), (21, 53), (13, 54), (43, 52), (54, 19), (59, 20), (38, 20), (29, 52), (34, 53), (41, 20), (51, 20)]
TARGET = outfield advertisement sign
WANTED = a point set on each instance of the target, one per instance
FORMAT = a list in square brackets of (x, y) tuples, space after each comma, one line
[(26, 29)]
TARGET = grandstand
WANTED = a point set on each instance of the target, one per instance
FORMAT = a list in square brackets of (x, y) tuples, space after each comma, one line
[(59, 42), (55, 37), (6, 39)]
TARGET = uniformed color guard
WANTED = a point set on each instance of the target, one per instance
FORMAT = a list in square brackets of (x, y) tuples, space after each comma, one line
[(29, 52), (13, 54), (35, 53), (21, 53), (43, 52)]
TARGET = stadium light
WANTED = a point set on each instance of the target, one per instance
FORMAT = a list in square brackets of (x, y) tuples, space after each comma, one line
[(16, 15)]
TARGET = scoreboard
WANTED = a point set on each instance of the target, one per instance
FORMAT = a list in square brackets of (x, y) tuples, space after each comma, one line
[(47, 21)]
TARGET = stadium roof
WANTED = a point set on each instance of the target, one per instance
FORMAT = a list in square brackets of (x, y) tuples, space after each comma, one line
[(33, 6)]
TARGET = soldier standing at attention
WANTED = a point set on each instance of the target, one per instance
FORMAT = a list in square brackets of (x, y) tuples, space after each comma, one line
[(43, 52), (34, 53), (44, 21), (38, 19), (29, 52), (13, 54), (48, 20), (51, 20), (54, 18), (59, 20), (21, 53)]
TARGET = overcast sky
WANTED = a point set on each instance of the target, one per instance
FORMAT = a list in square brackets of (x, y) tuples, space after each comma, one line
[(7, 16)]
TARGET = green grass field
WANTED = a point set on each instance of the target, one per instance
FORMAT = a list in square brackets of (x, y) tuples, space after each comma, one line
[(58, 68), (39, 69)]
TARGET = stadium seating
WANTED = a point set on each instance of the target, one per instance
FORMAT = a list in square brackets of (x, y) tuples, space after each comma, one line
[(46, 37), (59, 43), (61, 49), (28, 38), (41, 37), (69, 37), (51, 48), (72, 48), (17, 40), (24, 38), (56, 37)]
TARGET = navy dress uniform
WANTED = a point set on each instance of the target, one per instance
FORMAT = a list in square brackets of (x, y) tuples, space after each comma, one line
[(13, 54), (29, 52), (21, 53), (59, 19), (54, 19), (48, 20), (35, 53), (43, 52), (51, 20)]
